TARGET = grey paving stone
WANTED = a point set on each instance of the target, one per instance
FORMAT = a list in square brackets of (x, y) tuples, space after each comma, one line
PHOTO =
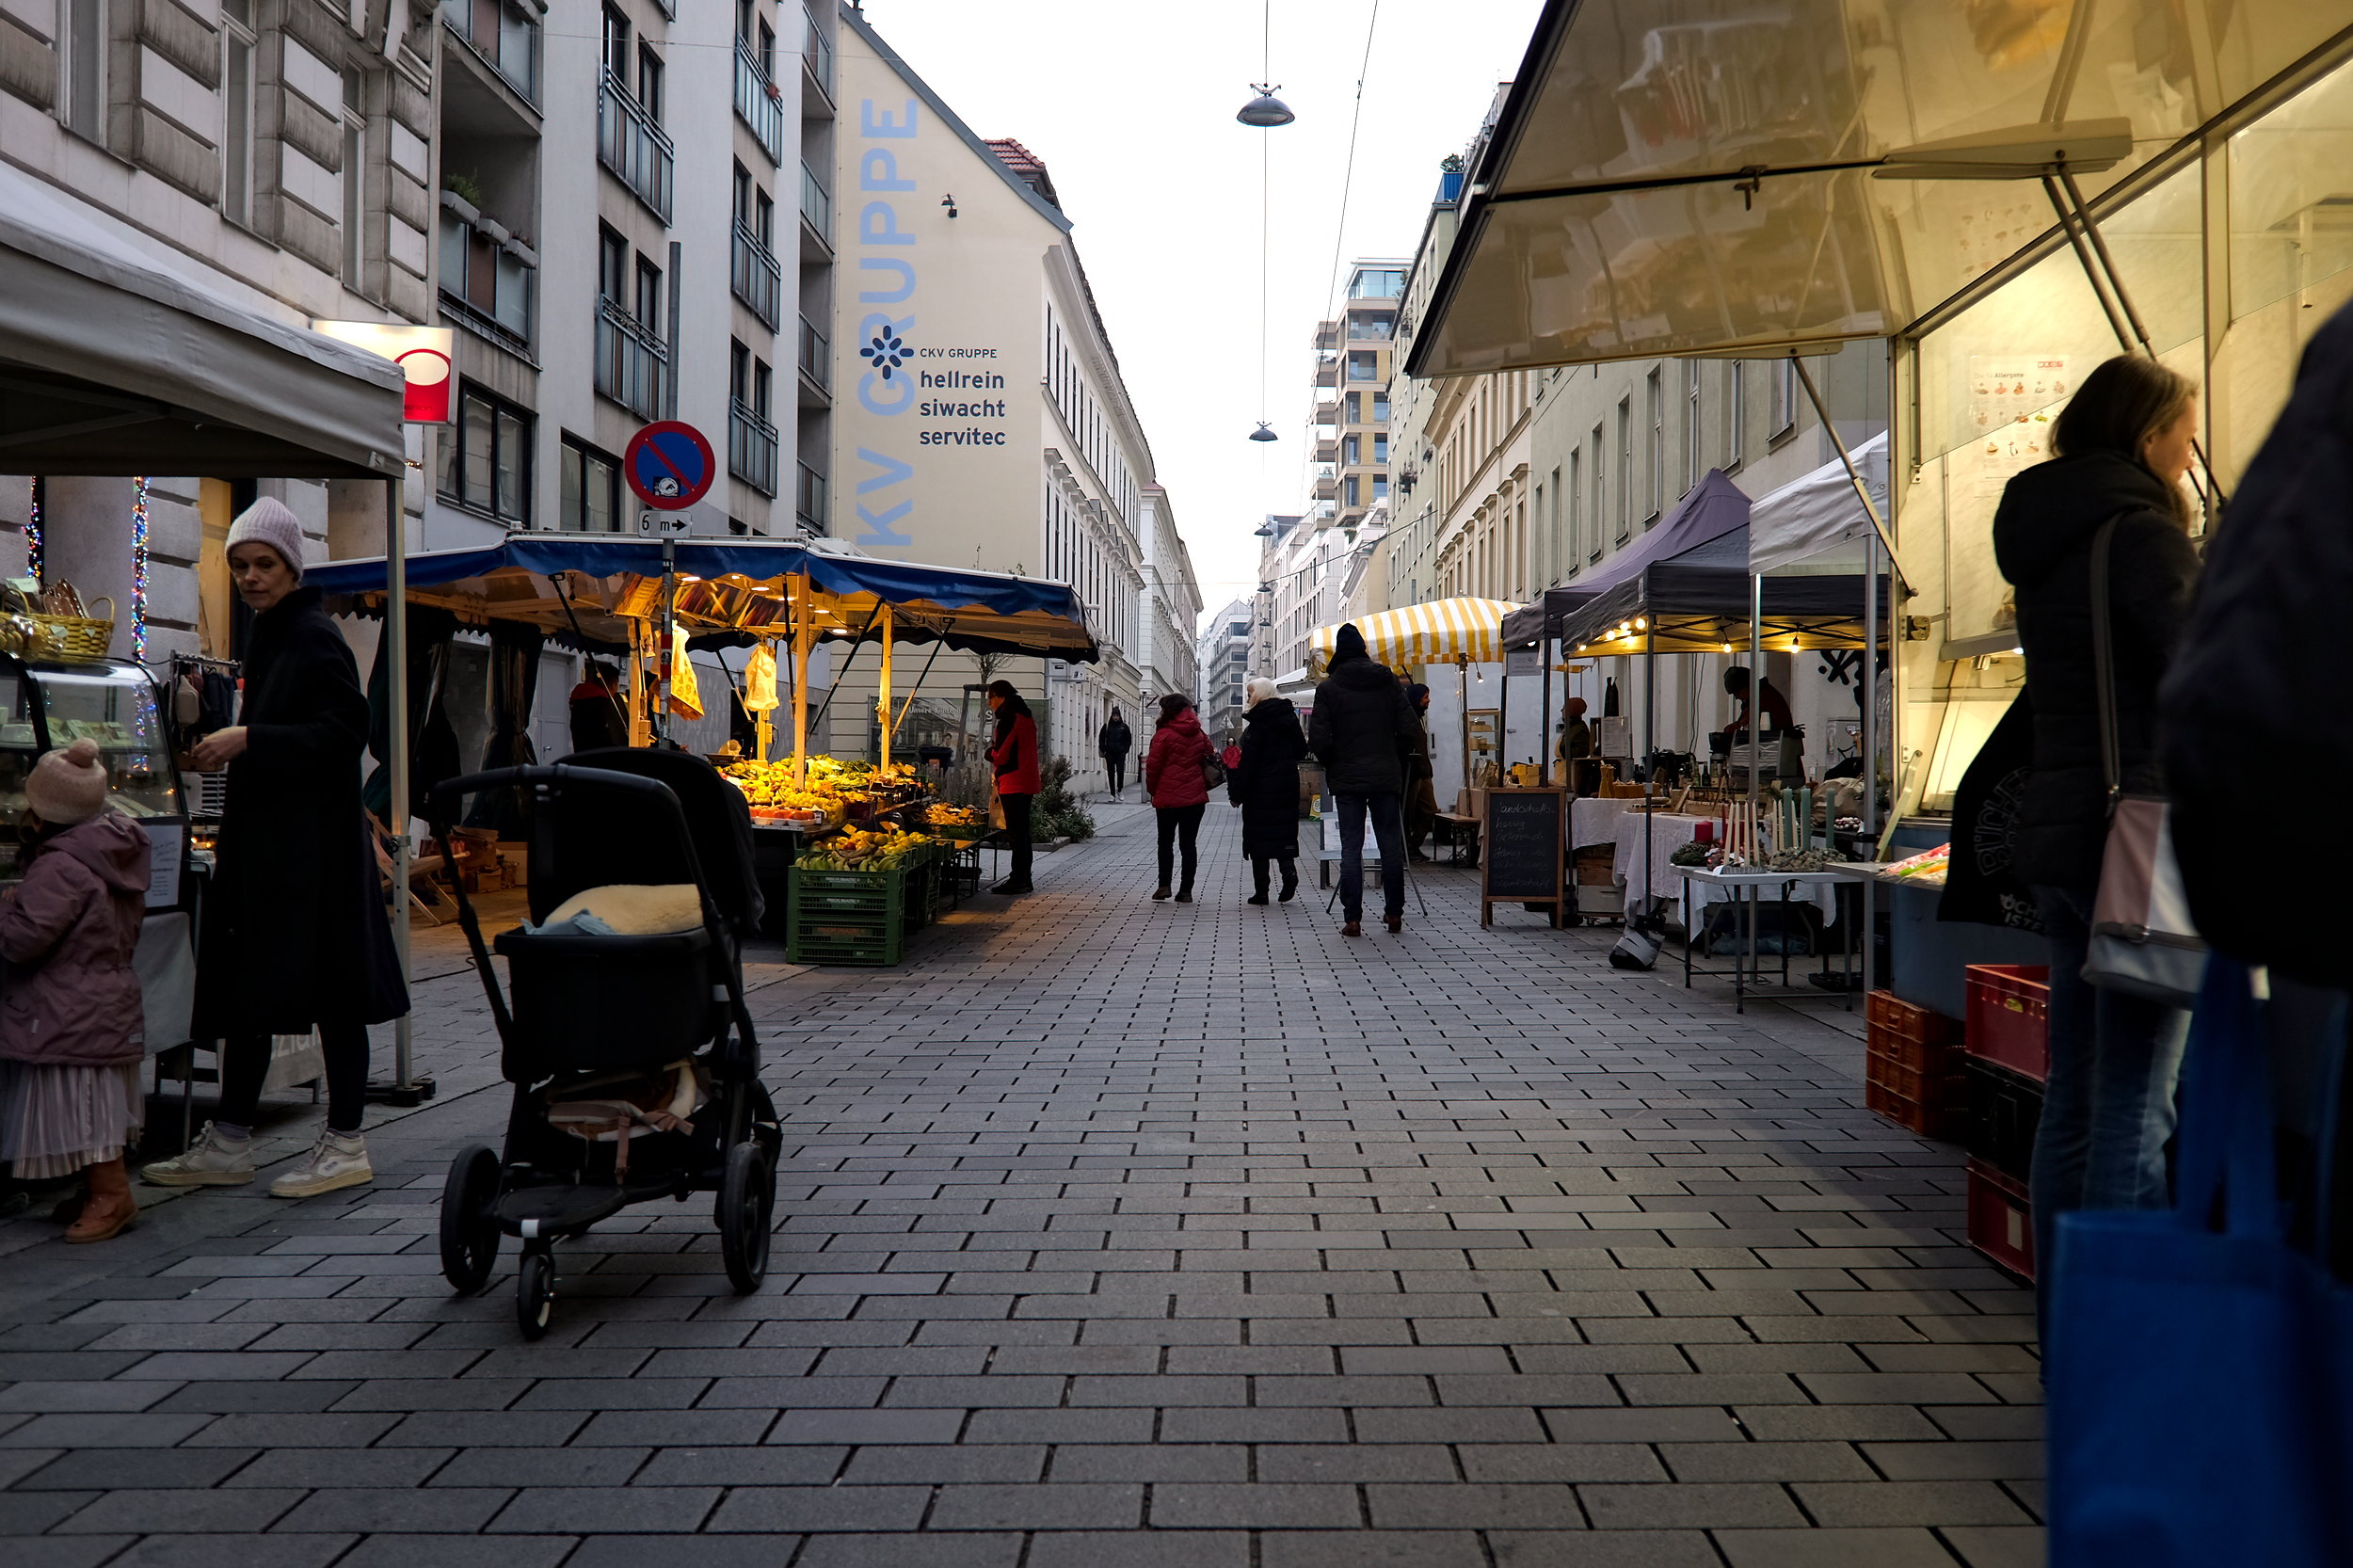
[(1997, 1545), (907, 1551), (1560, 1462), (1371, 1549), (233, 1551), (1151, 1462), (1911, 1502), (868, 1426), (65, 1551), (631, 1551), (1354, 1461), (370, 1509), (1775, 1462), (946, 1464), (1832, 1548), (1473, 1505), (1704, 1505), (770, 1510), (1602, 1549), (182, 1510), (504, 1467), (601, 1509), (151, 1467), (1272, 1506), (1140, 1550), (461, 1551), (1063, 1505)]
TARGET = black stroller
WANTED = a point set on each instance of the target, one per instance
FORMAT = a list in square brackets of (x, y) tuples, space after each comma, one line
[(635, 1071)]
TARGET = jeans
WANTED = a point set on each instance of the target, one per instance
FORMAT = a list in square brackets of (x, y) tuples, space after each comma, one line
[(1116, 767), (1180, 822), (244, 1063), (1017, 836), (2107, 1107), (1388, 831)]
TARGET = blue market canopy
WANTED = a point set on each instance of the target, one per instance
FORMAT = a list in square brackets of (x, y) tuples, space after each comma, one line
[(601, 582)]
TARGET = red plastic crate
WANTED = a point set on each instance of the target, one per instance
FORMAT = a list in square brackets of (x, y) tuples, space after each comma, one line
[(2001, 1220), (1939, 1087), (1930, 1121), (2009, 1018)]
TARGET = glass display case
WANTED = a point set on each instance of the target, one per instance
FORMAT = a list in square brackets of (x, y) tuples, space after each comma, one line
[(113, 702)]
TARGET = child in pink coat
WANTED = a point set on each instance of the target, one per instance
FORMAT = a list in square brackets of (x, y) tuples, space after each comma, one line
[(73, 1030)]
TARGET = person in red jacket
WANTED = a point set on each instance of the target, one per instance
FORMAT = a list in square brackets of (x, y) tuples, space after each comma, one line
[(1014, 755), (1179, 789)]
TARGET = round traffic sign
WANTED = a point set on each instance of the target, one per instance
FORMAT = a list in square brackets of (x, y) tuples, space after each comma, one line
[(669, 465)]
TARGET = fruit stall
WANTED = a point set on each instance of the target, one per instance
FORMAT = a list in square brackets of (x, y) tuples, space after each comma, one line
[(871, 821)]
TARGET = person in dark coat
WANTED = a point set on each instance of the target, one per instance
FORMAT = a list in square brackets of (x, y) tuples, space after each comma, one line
[(1112, 743), (1264, 782), (2120, 448), (1362, 730), (1421, 781), (295, 934), (598, 719)]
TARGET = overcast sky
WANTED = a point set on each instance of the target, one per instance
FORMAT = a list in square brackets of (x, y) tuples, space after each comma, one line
[(1132, 108)]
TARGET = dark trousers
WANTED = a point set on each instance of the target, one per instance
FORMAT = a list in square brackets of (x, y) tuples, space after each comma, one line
[(1180, 822), (1259, 873), (1388, 830), (244, 1063), (1117, 768), (1017, 835)]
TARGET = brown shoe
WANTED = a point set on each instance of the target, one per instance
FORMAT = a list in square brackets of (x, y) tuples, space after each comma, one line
[(1351, 929), (1396, 923), (103, 1217)]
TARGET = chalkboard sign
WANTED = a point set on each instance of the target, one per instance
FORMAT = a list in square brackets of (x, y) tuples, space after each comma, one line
[(1521, 860)]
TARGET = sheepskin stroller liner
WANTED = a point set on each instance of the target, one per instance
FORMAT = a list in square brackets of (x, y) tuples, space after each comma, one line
[(606, 1037)]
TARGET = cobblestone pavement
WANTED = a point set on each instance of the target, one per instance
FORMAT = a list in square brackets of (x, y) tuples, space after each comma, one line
[(1113, 1234)]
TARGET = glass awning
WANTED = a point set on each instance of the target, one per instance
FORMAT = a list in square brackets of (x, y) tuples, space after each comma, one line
[(1719, 176)]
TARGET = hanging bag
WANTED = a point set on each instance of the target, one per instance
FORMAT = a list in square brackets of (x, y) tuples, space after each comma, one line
[(2200, 1379), (2143, 940), (1213, 770)]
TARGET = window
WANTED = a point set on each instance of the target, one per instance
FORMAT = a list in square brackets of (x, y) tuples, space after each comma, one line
[(237, 92), (355, 179), (1693, 463), (592, 489), (1379, 486), (762, 380), (486, 461), (1380, 408), (1736, 413), (649, 82), (765, 219), (739, 372), (649, 303), (1552, 538), (1593, 512), (1654, 404), (1364, 364), (742, 192), (1381, 449), (766, 52), (612, 266), (1353, 496), (1573, 545), (1626, 469), (1784, 404), (86, 69), (1351, 449), (616, 46)]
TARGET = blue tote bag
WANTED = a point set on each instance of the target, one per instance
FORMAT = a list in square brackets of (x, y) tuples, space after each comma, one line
[(2201, 1410)]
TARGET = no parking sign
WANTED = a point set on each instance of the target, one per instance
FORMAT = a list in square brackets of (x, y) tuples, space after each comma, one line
[(669, 465)]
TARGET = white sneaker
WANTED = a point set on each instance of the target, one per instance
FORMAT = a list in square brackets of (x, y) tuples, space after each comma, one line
[(337, 1159), (215, 1159)]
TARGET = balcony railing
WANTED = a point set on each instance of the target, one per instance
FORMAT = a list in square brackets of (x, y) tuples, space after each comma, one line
[(633, 364), (816, 204), (633, 147), (816, 354), (751, 449), (817, 52), (504, 36), (809, 500), (760, 103), (756, 276), (486, 283)]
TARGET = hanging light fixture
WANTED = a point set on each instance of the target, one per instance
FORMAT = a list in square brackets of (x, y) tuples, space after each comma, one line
[(1265, 432), (1266, 111)]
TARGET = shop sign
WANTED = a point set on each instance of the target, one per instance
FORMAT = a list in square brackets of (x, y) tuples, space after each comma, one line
[(669, 465), (422, 354)]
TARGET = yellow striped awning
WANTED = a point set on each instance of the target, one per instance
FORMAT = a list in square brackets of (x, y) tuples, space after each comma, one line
[(1442, 631)]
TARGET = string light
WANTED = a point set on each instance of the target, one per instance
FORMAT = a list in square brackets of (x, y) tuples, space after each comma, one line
[(32, 532), (139, 568)]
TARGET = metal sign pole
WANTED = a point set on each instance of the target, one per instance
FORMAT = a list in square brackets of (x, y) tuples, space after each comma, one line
[(396, 661), (669, 629)]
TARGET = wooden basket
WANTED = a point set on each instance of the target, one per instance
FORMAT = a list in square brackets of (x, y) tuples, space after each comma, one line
[(77, 638)]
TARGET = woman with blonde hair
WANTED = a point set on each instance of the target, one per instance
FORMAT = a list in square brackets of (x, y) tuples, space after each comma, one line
[(2109, 502), (1265, 784)]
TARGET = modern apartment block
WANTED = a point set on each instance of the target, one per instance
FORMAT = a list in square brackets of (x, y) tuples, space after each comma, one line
[(634, 226), (1226, 664), (273, 154), (1351, 401)]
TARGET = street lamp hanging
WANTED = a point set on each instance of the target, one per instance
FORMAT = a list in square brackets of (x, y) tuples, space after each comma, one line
[(1266, 111), (1264, 433)]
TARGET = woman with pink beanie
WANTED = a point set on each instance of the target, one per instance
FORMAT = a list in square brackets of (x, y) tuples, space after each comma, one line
[(71, 1029)]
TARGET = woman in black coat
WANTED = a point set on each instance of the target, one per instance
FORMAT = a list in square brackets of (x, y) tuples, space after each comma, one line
[(295, 935), (1266, 786), (2122, 446)]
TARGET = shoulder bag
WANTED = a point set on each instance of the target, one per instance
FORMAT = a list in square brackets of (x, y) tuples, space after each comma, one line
[(2143, 940)]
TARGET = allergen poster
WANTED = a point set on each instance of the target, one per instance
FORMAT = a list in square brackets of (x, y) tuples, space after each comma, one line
[(2012, 401)]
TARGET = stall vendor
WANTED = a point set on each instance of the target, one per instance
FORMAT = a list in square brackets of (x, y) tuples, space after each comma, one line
[(1776, 706), (599, 720), (1575, 747)]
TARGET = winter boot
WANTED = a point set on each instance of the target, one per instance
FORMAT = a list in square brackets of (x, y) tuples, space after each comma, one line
[(1257, 880), (1290, 880)]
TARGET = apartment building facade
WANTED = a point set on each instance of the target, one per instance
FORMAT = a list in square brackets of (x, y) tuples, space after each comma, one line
[(274, 154), (983, 419), (1225, 668), (1166, 655)]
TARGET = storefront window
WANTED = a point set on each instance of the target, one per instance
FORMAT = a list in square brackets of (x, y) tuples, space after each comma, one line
[(486, 462)]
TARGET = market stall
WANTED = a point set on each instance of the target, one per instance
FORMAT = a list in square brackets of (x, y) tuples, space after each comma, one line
[(655, 600)]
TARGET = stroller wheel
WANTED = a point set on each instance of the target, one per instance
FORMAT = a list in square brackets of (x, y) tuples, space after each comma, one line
[(534, 1293), (746, 1199), (470, 1233)]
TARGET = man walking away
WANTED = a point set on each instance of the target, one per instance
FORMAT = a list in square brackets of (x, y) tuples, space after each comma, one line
[(1114, 741), (1361, 732)]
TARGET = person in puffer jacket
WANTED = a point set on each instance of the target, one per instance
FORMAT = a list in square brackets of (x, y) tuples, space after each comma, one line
[(1178, 788), (73, 1030)]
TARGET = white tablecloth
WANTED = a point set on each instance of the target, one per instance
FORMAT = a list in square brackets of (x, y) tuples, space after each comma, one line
[(1669, 833), (1702, 887), (1594, 820)]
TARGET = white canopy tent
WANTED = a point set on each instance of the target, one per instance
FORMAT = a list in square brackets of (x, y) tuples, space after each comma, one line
[(1818, 513)]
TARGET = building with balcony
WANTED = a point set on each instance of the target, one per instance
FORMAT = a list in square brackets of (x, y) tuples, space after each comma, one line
[(984, 418), (1221, 652), (1350, 439), (277, 159)]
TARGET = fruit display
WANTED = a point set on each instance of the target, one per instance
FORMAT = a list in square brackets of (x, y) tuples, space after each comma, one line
[(1927, 868), (856, 850), (957, 821)]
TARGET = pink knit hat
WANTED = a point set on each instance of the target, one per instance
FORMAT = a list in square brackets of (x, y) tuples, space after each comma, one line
[(69, 786), (270, 522)]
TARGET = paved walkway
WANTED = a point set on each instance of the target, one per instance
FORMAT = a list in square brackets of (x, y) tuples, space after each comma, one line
[(1114, 1235)]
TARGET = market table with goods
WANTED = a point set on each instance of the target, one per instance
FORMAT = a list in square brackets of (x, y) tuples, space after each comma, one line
[(856, 855)]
